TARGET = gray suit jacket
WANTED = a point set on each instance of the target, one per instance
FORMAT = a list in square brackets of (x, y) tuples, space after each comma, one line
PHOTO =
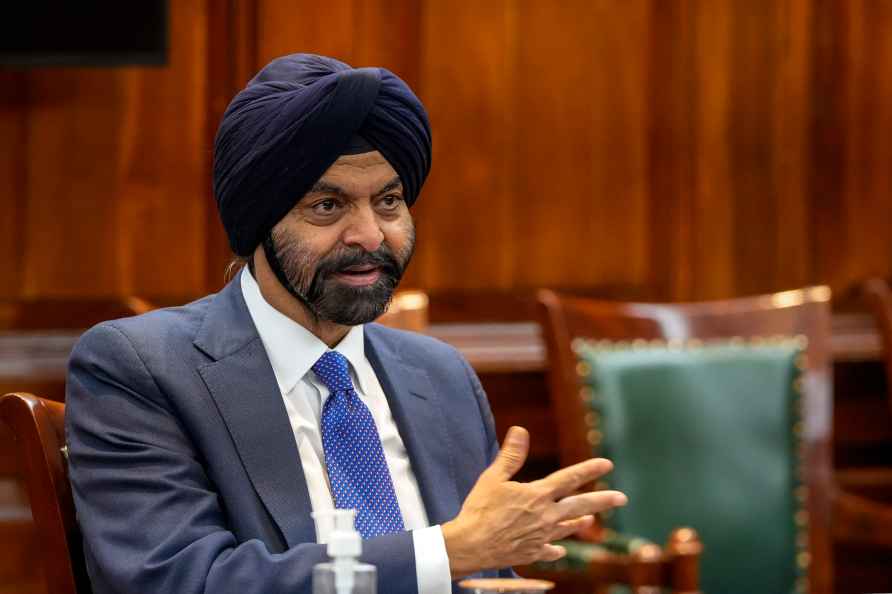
[(184, 468)]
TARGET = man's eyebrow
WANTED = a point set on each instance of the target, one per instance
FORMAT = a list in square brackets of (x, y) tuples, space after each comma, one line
[(323, 187), (391, 185)]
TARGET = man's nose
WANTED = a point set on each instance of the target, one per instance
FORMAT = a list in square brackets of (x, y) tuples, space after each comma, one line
[(364, 230)]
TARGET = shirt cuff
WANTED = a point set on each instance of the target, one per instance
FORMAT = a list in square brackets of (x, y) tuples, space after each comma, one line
[(431, 561)]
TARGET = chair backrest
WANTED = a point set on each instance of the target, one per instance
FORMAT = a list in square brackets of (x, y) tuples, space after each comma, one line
[(37, 425), (705, 436), (802, 312)]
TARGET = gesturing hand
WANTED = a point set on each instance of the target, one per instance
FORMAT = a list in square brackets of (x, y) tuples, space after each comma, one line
[(504, 523)]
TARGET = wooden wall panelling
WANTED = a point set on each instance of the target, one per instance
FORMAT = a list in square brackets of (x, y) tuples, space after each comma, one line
[(305, 26), (754, 75), (360, 32), (163, 193), (388, 33), (113, 174), (869, 171), (828, 149), (750, 117), (712, 245), (852, 151), (581, 196), (671, 107), (13, 139), (75, 120), (690, 149), (791, 139), (468, 85)]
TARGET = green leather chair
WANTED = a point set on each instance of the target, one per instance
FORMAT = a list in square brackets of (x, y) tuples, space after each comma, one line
[(706, 437)]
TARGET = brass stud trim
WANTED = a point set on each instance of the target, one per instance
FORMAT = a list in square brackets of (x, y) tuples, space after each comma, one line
[(801, 518), (594, 437), (803, 559)]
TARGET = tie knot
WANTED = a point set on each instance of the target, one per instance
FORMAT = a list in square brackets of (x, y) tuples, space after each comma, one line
[(332, 369)]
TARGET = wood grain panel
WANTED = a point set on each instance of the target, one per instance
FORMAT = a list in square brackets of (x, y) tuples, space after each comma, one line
[(853, 107), (671, 105), (13, 169), (113, 193), (868, 180), (74, 119), (388, 33), (688, 149), (712, 197), (754, 77), (163, 192), (791, 138), (581, 197), (326, 28), (468, 85)]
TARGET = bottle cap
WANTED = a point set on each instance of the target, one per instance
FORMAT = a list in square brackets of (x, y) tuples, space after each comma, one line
[(343, 539)]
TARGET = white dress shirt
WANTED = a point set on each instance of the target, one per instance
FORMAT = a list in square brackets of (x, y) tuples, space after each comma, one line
[(292, 351)]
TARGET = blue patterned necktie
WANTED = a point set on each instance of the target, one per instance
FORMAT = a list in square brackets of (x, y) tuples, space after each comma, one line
[(354, 457)]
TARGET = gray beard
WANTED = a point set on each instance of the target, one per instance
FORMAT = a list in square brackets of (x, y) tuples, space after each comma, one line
[(329, 300)]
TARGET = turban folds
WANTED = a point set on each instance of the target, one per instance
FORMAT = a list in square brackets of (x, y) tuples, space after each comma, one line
[(292, 122)]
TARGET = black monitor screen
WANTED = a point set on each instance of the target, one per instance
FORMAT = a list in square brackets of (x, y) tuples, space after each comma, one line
[(83, 32)]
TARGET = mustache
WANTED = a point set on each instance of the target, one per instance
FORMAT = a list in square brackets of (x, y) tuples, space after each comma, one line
[(382, 258)]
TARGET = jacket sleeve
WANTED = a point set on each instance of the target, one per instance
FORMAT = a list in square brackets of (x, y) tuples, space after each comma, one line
[(489, 424), (150, 516)]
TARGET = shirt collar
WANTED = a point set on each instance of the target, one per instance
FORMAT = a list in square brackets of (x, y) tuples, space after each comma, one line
[(291, 348)]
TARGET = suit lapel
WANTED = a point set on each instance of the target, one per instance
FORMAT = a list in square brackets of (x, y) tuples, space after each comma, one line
[(243, 385), (418, 412)]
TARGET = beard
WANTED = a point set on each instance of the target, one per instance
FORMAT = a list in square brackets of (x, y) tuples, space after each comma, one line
[(314, 280)]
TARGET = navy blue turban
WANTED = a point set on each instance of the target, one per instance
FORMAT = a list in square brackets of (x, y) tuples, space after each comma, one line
[(292, 121)]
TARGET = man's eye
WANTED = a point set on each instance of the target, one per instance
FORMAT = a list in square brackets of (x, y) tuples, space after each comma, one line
[(325, 206), (391, 201)]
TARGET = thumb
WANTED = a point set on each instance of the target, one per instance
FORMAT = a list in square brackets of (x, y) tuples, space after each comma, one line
[(513, 454)]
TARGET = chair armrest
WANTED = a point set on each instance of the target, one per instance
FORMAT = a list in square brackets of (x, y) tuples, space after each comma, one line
[(622, 544), (872, 483), (859, 520)]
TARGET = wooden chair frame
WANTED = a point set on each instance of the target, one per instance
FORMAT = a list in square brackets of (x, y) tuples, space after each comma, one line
[(648, 569), (858, 519), (37, 425), (878, 295)]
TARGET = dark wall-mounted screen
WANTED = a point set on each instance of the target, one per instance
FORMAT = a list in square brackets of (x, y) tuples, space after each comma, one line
[(83, 32)]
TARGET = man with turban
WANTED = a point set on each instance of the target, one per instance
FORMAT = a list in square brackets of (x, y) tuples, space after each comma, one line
[(202, 437)]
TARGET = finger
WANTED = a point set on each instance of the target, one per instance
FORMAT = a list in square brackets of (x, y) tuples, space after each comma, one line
[(513, 454), (589, 503), (551, 552), (567, 480), (568, 527)]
